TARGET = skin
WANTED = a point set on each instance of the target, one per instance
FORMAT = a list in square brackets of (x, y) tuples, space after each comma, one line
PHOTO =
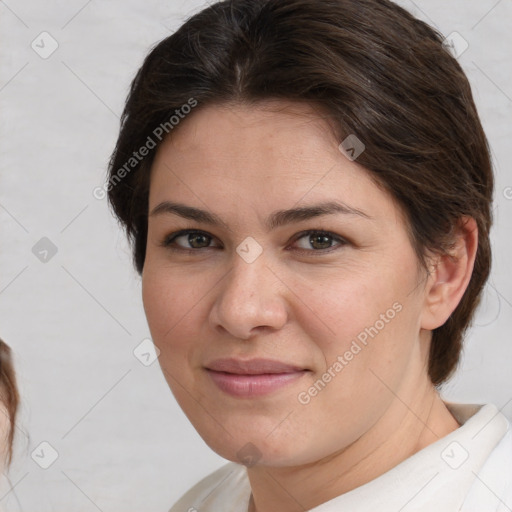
[(298, 302)]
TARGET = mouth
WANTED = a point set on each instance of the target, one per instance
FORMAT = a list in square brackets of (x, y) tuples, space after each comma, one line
[(254, 377)]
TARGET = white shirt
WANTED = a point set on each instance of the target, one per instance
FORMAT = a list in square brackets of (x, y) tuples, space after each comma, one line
[(469, 470)]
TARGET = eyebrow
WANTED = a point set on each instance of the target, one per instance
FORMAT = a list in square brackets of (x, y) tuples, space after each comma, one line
[(275, 220)]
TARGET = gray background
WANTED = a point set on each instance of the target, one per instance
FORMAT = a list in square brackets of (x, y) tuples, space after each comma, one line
[(74, 321)]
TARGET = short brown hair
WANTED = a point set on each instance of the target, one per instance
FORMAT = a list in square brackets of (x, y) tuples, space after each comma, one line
[(382, 75)]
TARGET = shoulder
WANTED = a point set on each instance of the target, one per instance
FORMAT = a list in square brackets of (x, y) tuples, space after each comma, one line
[(226, 487), (492, 485)]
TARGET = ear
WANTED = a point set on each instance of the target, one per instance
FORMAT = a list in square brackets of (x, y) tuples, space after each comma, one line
[(450, 276)]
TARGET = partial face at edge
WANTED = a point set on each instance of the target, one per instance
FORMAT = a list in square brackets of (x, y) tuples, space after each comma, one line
[(343, 305)]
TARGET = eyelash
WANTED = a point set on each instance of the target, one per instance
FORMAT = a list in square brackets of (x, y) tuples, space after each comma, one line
[(169, 239)]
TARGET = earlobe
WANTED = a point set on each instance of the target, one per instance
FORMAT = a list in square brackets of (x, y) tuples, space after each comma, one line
[(450, 276)]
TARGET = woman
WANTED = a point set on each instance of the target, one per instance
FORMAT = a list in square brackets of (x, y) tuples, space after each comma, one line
[(9, 400), (308, 188)]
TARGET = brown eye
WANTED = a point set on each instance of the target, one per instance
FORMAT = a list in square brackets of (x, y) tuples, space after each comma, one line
[(191, 241), (316, 241), (197, 239)]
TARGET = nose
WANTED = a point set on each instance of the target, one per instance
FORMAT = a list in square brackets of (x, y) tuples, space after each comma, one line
[(250, 298)]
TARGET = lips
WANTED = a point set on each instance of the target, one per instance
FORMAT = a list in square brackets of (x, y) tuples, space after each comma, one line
[(252, 378), (252, 366)]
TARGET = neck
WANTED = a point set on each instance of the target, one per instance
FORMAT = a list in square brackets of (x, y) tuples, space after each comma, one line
[(401, 432)]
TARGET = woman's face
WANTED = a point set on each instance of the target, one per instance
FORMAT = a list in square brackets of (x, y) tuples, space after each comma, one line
[(338, 310)]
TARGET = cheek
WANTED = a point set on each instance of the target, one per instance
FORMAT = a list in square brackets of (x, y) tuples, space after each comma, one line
[(172, 317), (364, 362), (158, 304), (171, 304), (353, 303), (372, 318)]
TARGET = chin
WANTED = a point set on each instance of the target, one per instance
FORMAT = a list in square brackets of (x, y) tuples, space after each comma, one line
[(257, 449)]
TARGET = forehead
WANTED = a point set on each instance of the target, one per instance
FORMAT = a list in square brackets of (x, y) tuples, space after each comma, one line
[(273, 153), (277, 136), (251, 134)]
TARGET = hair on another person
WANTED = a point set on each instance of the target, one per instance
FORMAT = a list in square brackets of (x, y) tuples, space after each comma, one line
[(9, 397)]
